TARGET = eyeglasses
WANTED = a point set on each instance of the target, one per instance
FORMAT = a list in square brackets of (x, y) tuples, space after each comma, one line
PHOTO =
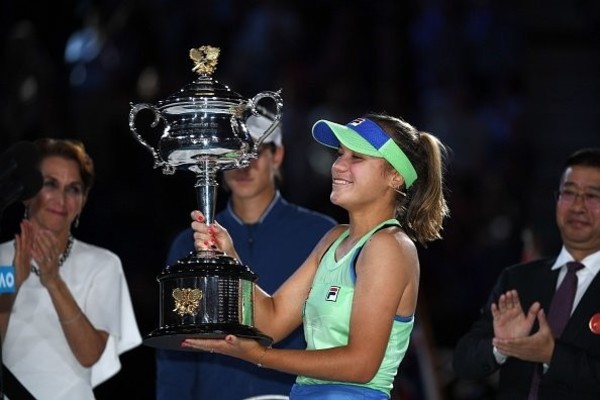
[(591, 200)]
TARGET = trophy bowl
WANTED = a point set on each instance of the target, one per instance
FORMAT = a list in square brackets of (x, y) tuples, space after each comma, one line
[(207, 294)]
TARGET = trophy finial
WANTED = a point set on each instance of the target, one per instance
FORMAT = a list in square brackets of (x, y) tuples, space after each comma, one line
[(205, 59)]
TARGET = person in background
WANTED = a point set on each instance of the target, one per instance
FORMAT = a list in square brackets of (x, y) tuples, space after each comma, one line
[(274, 237), (517, 333), (71, 315), (356, 293)]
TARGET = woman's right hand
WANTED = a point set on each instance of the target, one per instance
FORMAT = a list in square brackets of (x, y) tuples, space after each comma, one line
[(23, 248), (211, 237)]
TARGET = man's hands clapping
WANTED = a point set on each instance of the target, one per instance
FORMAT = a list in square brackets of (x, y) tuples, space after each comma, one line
[(512, 330)]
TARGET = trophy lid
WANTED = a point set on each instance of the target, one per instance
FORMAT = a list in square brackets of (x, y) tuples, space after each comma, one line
[(205, 93), (205, 122)]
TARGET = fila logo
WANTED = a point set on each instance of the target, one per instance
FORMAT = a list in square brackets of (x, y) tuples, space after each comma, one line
[(357, 121), (332, 293)]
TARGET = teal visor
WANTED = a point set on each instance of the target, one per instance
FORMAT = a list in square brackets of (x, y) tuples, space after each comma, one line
[(365, 137)]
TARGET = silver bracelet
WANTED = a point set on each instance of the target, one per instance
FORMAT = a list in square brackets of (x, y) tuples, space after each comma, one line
[(70, 320), (259, 363)]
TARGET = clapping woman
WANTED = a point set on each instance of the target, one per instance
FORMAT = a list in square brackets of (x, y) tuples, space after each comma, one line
[(71, 316)]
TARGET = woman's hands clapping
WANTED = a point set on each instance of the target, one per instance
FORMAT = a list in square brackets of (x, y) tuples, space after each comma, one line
[(40, 245)]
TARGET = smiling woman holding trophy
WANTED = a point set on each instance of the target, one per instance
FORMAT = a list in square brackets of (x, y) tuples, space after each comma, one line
[(274, 237), (356, 293)]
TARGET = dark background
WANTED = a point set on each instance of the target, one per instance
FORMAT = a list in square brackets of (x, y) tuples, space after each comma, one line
[(513, 87)]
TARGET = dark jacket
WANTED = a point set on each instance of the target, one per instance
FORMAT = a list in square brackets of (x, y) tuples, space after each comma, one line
[(574, 371)]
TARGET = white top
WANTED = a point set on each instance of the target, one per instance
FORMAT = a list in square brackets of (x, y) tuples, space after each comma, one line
[(35, 349)]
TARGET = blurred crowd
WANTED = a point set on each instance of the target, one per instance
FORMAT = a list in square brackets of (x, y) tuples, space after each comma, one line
[(458, 69)]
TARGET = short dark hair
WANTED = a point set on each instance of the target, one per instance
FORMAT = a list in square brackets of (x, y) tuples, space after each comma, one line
[(588, 157)]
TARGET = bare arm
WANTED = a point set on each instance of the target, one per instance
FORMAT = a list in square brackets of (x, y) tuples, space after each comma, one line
[(281, 313), (86, 342), (387, 266)]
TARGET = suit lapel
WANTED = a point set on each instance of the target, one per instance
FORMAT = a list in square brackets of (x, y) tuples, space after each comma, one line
[(547, 286)]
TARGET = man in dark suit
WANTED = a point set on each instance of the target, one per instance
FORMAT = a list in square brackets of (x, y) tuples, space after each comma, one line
[(523, 345)]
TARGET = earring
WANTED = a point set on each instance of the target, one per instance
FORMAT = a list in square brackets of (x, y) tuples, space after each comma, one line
[(26, 214), (397, 190), (76, 223)]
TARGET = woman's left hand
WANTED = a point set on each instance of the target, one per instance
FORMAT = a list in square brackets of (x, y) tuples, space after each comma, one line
[(245, 349), (46, 254)]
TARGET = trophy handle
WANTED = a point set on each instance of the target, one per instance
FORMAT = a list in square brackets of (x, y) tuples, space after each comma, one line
[(158, 160), (253, 105)]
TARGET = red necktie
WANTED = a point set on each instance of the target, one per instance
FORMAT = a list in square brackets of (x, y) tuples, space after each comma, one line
[(559, 314)]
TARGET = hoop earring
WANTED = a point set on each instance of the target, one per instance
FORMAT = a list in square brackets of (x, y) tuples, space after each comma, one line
[(76, 223), (26, 213)]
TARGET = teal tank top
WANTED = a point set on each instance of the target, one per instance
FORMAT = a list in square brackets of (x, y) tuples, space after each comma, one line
[(326, 314)]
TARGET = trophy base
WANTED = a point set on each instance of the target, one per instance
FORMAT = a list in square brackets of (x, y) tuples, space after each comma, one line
[(170, 338)]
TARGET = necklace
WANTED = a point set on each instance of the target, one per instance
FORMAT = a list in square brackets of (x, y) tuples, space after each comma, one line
[(61, 260)]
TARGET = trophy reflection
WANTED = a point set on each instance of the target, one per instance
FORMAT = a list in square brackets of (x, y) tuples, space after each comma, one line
[(207, 294)]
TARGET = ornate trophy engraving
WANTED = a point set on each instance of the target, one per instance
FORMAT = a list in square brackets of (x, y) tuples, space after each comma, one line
[(207, 294)]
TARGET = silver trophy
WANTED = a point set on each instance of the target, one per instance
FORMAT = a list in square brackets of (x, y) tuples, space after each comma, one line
[(207, 294)]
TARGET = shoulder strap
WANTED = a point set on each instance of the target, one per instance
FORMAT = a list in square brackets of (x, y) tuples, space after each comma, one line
[(358, 250), (11, 387), (331, 244)]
